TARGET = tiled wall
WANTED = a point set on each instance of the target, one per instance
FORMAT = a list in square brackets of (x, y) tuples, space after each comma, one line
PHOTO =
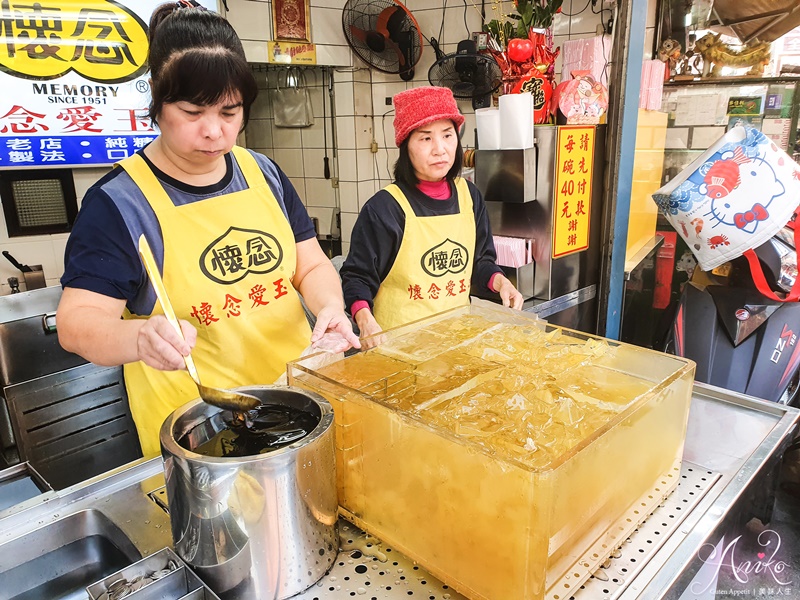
[(45, 250), (362, 115), (362, 98)]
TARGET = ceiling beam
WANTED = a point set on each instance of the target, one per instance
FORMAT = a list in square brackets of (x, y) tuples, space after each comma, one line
[(772, 23), (749, 18)]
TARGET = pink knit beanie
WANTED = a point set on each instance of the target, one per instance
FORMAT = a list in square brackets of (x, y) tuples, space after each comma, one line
[(419, 106)]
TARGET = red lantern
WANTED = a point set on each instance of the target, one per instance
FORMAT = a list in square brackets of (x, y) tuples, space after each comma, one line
[(520, 50)]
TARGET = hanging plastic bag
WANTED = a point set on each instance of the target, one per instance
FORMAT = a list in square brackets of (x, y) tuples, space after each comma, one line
[(291, 100), (733, 198)]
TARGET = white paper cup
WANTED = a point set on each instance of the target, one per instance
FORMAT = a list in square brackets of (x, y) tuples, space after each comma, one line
[(516, 121), (488, 122)]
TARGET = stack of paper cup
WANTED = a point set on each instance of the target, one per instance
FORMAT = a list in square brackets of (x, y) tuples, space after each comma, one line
[(516, 121), (488, 121)]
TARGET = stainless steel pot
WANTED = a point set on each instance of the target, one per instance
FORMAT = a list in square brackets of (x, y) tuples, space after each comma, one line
[(261, 527)]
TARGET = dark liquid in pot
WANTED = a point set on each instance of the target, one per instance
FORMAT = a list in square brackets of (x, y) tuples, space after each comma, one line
[(270, 427)]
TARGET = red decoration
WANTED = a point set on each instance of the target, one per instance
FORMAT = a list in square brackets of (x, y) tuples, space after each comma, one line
[(534, 75), (520, 50), (536, 84)]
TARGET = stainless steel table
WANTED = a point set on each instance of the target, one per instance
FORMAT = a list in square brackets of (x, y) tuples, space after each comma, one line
[(732, 443)]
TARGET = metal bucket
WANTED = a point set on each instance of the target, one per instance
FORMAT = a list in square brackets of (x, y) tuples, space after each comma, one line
[(261, 527)]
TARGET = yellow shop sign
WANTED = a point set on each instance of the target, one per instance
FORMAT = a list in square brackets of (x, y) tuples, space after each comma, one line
[(101, 40)]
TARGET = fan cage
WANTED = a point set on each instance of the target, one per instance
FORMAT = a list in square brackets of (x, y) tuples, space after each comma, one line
[(362, 15), (445, 73)]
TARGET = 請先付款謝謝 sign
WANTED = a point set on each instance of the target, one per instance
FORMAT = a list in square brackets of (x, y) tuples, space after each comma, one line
[(74, 81)]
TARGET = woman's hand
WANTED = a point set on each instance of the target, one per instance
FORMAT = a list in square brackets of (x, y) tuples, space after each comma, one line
[(367, 327), (332, 319), (508, 293), (159, 345)]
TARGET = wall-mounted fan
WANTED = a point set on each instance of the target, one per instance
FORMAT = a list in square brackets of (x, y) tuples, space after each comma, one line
[(384, 34), (468, 74)]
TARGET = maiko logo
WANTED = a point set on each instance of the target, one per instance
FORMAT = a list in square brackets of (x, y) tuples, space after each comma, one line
[(447, 257), (99, 39), (232, 256)]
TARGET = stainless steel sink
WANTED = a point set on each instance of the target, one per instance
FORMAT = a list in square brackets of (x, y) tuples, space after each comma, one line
[(59, 560)]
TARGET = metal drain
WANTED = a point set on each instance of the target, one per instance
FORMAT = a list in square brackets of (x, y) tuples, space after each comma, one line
[(366, 568), (609, 581)]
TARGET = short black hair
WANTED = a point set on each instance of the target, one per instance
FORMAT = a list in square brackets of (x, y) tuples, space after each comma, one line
[(404, 170), (195, 56)]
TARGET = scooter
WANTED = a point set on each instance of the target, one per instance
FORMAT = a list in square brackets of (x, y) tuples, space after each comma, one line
[(740, 339)]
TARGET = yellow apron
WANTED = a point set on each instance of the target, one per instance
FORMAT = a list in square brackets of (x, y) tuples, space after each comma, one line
[(433, 267), (228, 264)]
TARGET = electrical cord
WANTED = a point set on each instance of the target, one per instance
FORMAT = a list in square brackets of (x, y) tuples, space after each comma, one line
[(588, 2)]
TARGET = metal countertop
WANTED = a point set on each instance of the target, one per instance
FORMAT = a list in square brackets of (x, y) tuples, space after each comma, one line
[(731, 442)]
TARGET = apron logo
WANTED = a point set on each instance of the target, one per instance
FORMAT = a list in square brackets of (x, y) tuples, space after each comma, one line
[(237, 252), (447, 257)]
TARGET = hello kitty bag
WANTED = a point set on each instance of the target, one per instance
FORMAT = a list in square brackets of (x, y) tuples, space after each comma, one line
[(733, 198)]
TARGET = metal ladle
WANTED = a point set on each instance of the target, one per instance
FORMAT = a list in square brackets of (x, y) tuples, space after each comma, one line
[(225, 399)]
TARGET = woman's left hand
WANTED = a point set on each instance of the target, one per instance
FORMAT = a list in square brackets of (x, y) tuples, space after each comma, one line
[(333, 320), (508, 293)]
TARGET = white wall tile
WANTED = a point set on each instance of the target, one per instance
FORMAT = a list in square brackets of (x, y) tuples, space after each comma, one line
[(364, 74), (86, 178), (262, 107), (348, 196), (337, 56), (324, 216), (327, 26), (416, 6), (384, 164), (364, 135), (468, 139), (561, 22), (287, 137), (299, 184), (385, 127), (345, 133), (59, 246), (585, 24), (348, 220), (251, 20), (347, 165), (320, 193), (365, 164), (259, 133), (345, 248), (366, 190), (343, 94), (362, 98), (313, 162), (314, 136), (255, 51), (37, 252), (290, 160)]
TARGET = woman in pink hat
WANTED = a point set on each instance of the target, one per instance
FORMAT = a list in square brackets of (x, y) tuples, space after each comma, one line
[(420, 244)]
